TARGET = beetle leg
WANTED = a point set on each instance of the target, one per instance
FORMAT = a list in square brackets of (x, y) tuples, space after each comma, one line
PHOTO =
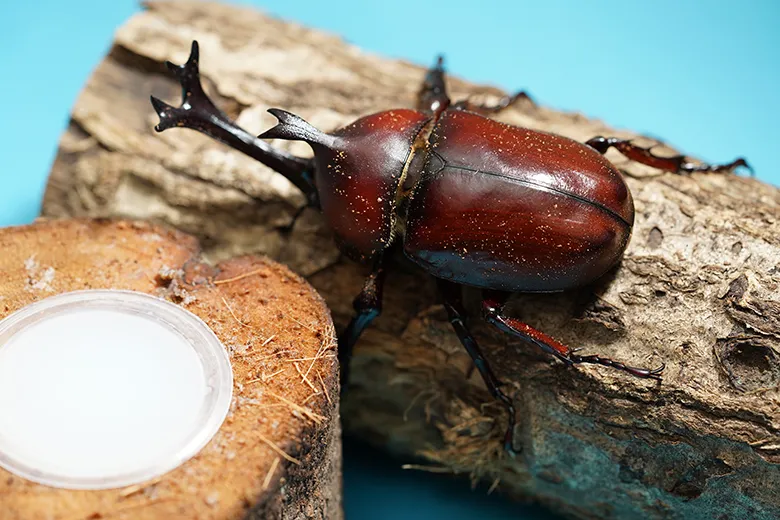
[(676, 164), (492, 306), (486, 110), (367, 305), (288, 228), (457, 315), (433, 92), (198, 112)]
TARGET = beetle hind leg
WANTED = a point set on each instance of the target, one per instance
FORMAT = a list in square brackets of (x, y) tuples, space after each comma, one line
[(492, 307), (456, 314), (677, 164)]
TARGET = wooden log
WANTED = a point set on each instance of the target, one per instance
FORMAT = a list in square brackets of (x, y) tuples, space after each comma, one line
[(278, 454), (696, 290)]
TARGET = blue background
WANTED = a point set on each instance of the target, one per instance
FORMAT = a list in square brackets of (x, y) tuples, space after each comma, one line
[(701, 75)]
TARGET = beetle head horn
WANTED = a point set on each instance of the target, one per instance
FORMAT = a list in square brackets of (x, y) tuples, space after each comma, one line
[(294, 128)]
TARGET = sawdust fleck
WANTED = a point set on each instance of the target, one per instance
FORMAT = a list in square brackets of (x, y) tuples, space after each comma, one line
[(212, 499), (38, 278)]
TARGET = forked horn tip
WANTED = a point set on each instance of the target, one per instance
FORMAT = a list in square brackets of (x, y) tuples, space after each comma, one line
[(159, 105), (292, 127), (194, 52), (163, 110)]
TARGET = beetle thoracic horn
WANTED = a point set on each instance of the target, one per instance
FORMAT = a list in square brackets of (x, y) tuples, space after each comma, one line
[(294, 128)]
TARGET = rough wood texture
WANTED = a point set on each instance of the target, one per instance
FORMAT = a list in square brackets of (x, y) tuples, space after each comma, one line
[(238, 475), (697, 288)]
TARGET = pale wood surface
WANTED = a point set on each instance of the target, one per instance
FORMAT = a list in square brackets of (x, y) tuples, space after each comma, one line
[(697, 289)]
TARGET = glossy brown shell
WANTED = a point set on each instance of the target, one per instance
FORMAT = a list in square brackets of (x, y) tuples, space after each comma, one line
[(508, 208), (357, 177)]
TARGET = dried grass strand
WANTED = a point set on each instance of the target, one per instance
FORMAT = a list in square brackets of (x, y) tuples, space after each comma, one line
[(277, 449), (230, 309), (305, 379), (317, 418), (239, 277), (263, 378), (429, 469), (132, 490), (324, 388), (270, 474)]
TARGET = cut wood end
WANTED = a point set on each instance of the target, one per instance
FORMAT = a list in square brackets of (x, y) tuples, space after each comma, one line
[(54, 257)]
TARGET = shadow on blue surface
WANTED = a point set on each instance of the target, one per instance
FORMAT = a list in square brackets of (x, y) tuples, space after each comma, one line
[(377, 488)]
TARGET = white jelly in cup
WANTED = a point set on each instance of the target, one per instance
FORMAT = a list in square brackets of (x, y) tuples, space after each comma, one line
[(103, 389)]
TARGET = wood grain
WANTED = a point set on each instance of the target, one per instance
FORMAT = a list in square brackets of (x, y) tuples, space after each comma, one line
[(697, 288)]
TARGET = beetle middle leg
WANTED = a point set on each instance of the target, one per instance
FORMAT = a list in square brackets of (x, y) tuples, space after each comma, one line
[(492, 309), (487, 109), (675, 164), (367, 305), (452, 302)]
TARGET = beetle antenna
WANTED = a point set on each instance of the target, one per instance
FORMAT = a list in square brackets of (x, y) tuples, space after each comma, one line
[(294, 128)]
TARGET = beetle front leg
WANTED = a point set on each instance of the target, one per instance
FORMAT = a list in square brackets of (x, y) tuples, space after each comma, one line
[(457, 315), (676, 164), (492, 309), (198, 112), (433, 92), (367, 305)]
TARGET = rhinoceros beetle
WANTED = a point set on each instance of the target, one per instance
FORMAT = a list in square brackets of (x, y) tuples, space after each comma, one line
[(470, 200)]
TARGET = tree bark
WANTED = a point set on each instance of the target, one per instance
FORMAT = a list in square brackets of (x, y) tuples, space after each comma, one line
[(696, 289), (278, 453)]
